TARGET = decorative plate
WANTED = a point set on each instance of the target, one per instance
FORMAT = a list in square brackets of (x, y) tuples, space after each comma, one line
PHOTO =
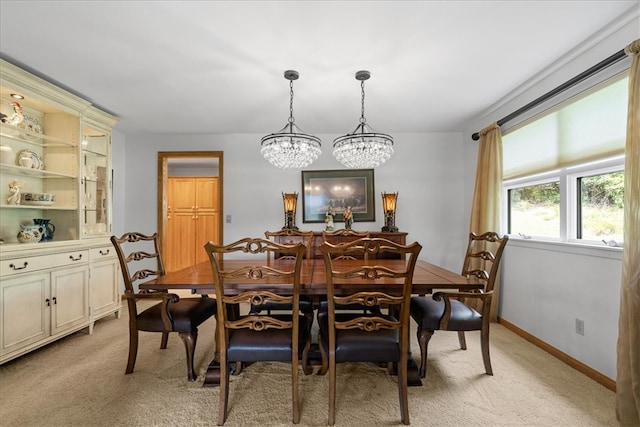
[(32, 125), (37, 161)]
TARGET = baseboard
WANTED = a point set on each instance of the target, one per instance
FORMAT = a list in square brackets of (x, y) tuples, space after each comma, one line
[(575, 364)]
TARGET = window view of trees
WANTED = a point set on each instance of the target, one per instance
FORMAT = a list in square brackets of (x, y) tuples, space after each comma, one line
[(535, 210), (601, 207)]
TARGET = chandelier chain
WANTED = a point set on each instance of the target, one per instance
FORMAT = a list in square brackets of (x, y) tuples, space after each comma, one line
[(291, 118), (362, 119)]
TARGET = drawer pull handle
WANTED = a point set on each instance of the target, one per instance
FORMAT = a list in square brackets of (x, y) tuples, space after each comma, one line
[(48, 302), (55, 300), (75, 259), (13, 267), (104, 253)]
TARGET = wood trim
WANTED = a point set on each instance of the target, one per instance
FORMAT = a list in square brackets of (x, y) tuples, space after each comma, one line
[(563, 357)]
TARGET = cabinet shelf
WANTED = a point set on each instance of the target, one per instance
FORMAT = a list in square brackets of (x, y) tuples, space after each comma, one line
[(37, 139), (40, 207), (42, 173)]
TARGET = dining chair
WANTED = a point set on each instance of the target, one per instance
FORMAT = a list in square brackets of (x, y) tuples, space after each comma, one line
[(257, 337), (367, 337), (344, 235), (290, 236), (140, 260), (463, 311), (336, 237)]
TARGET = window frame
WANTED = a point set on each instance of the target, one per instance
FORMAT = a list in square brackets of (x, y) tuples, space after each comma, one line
[(567, 179)]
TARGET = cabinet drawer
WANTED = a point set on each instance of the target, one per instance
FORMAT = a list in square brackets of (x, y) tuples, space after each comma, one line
[(103, 253), (28, 264)]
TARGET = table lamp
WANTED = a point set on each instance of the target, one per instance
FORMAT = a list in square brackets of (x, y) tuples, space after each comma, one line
[(389, 202), (290, 202)]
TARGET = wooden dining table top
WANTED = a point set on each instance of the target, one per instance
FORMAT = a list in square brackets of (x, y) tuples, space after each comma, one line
[(199, 277)]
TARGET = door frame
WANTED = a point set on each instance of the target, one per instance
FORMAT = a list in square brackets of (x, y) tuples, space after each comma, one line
[(163, 173)]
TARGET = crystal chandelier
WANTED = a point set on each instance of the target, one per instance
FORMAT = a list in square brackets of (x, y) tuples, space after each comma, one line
[(363, 148), (290, 147)]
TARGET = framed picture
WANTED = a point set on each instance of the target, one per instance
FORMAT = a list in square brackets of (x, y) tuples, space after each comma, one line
[(338, 189)]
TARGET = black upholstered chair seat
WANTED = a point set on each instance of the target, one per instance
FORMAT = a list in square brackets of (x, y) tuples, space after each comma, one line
[(355, 345), (270, 344), (427, 313), (187, 314)]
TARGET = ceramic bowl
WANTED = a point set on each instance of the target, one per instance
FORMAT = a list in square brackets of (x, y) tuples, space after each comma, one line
[(37, 198)]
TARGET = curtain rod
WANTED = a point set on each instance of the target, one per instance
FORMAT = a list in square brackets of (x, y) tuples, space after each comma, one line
[(616, 57)]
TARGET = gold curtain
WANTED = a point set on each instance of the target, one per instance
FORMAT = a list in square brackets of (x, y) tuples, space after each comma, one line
[(485, 210), (628, 369)]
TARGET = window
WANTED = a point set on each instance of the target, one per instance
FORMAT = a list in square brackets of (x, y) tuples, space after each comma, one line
[(535, 210), (600, 207), (564, 170)]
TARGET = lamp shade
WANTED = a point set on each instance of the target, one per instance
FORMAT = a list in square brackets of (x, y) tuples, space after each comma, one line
[(389, 201), (389, 205), (290, 203)]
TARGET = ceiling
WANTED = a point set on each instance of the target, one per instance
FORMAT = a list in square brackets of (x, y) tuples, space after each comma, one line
[(217, 67)]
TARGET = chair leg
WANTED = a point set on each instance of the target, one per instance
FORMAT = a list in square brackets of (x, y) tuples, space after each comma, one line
[(306, 366), (189, 340), (424, 336), (133, 350), (462, 340), (295, 396), (484, 343), (224, 389), (332, 389), (237, 368), (325, 360), (164, 340), (402, 391)]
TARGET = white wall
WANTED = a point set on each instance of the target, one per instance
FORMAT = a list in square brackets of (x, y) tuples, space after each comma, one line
[(546, 287), (425, 169)]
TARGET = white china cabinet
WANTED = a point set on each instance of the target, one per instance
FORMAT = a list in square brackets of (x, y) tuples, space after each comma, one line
[(55, 188)]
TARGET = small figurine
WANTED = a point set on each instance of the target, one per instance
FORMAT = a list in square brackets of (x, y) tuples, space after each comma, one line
[(14, 188), (348, 218), (328, 219), (17, 117)]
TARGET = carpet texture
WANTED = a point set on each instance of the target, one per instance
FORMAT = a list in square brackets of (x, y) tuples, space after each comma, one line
[(80, 381)]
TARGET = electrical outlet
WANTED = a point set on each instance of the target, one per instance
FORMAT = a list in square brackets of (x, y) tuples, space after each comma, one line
[(579, 326), (228, 219)]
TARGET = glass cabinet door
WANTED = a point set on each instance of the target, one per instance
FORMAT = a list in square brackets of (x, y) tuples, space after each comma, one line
[(95, 182)]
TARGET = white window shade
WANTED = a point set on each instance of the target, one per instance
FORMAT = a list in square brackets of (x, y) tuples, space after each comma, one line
[(577, 131)]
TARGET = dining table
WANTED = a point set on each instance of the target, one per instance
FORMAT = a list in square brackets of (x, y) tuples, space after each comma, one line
[(198, 279)]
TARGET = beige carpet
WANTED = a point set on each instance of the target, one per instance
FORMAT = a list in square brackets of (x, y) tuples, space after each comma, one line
[(80, 381)]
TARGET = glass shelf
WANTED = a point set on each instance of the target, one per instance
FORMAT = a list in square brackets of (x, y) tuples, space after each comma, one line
[(19, 170), (40, 140)]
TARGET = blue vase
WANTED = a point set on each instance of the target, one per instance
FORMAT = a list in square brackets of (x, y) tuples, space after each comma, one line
[(47, 228)]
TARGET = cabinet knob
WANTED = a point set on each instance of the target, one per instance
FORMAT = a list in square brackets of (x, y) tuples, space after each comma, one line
[(55, 300), (13, 267), (48, 302)]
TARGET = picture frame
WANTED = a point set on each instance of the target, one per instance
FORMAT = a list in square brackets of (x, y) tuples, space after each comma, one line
[(338, 188)]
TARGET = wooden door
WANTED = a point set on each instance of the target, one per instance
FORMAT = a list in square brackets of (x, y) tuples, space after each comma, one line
[(192, 220)]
